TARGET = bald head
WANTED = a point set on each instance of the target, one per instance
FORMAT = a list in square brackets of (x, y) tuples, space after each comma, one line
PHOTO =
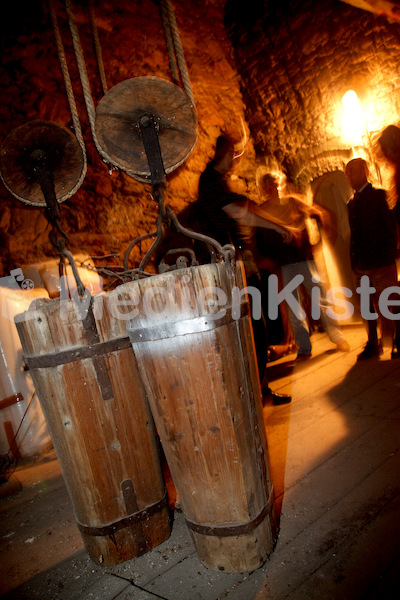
[(357, 173)]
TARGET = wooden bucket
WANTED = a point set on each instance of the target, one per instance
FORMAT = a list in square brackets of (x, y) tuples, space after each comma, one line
[(102, 429), (198, 367)]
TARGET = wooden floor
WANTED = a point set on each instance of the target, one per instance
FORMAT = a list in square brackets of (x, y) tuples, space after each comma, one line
[(335, 464), (335, 458)]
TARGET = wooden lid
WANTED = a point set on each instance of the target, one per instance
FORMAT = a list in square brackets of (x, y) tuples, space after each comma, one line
[(64, 158), (118, 131)]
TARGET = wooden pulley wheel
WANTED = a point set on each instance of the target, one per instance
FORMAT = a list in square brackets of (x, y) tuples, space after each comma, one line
[(63, 155), (118, 124)]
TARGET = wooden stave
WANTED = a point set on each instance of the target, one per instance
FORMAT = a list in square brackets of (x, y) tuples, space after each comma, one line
[(91, 500), (235, 553)]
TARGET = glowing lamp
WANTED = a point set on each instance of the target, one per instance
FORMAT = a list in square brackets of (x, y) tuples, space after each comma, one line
[(354, 123)]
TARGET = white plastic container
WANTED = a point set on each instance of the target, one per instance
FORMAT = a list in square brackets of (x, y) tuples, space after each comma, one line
[(16, 385)]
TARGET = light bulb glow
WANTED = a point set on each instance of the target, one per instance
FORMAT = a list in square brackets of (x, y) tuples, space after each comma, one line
[(354, 124)]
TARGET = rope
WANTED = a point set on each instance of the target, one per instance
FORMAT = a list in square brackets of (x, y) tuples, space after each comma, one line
[(97, 47), (168, 11), (170, 44), (87, 93), (170, 26), (70, 95)]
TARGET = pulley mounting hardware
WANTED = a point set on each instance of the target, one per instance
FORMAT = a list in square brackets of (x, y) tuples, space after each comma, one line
[(128, 108), (42, 163), (148, 130)]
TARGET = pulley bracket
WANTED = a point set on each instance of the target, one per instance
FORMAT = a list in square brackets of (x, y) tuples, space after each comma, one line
[(149, 132), (42, 164)]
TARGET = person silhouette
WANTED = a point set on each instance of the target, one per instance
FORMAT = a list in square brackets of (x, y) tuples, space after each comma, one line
[(229, 218), (373, 246), (296, 258)]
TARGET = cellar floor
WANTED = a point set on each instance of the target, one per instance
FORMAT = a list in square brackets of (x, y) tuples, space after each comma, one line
[(335, 465)]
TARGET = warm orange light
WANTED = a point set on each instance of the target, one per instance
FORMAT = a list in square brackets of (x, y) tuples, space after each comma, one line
[(354, 123)]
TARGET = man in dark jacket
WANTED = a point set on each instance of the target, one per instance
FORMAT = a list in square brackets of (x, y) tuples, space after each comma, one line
[(373, 250), (228, 217)]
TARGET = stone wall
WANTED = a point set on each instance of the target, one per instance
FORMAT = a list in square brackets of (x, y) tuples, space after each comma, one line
[(296, 59), (274, 70), (111, 208)]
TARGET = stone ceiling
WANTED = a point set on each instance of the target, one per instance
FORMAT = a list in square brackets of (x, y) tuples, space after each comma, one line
[(296, 60)]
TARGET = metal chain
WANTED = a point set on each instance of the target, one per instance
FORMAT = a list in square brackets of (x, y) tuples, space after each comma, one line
[(60, 240), (57, 235), (167, 218)]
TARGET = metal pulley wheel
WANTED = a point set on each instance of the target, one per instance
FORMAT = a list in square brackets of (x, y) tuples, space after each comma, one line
[(54, 144), (122, 111)]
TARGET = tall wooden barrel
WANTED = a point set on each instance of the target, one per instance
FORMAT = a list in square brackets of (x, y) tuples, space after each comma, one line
[(195, 353), (102, 429)]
